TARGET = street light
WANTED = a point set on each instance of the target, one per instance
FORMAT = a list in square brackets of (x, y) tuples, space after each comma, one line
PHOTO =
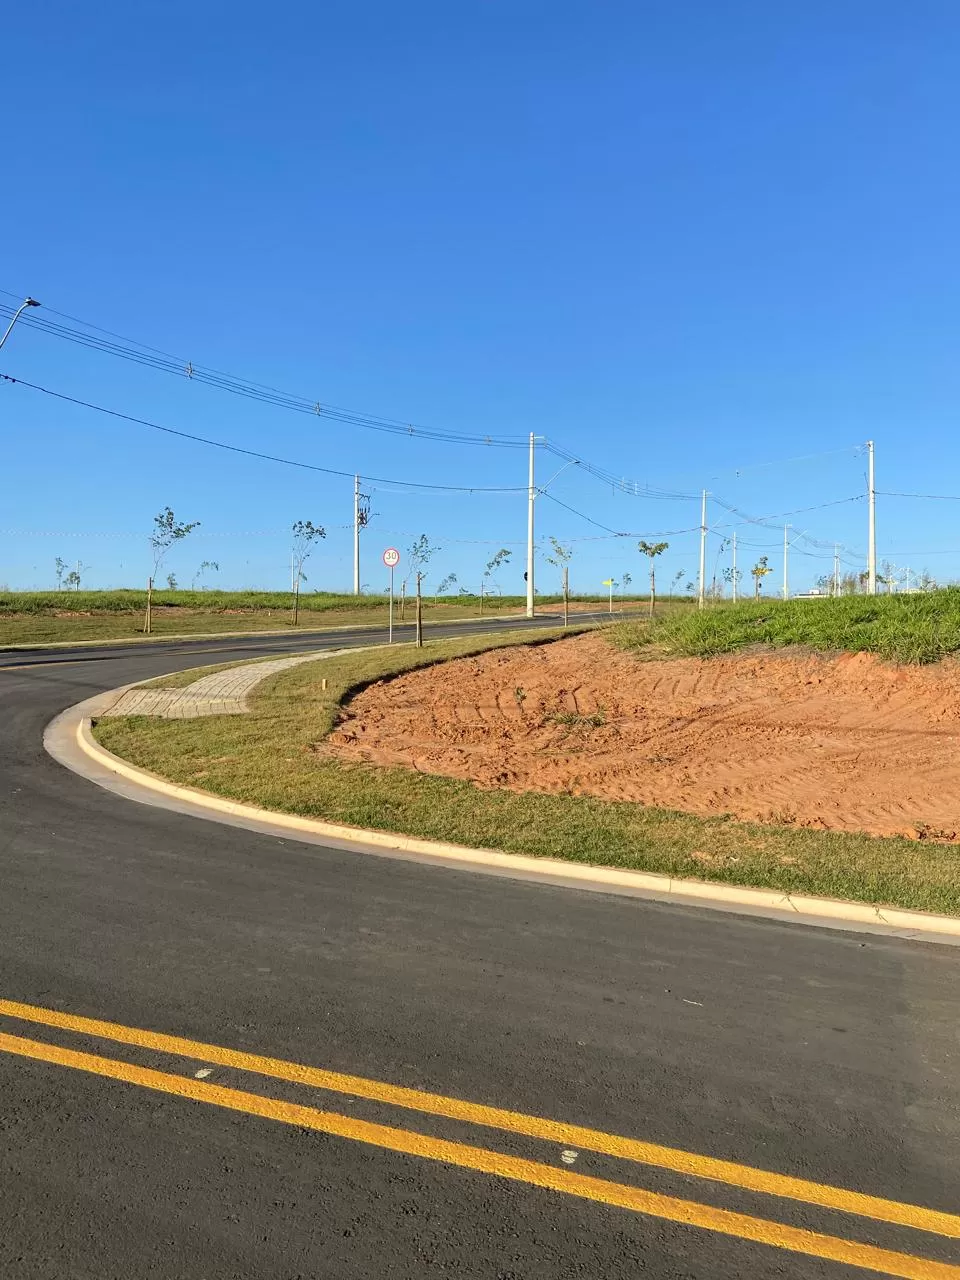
[(27, 302)]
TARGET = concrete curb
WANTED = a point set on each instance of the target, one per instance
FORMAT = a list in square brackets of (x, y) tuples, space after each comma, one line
[(119, 642), (69, 740)]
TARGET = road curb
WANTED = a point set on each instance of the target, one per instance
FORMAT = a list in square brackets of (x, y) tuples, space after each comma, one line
[(69, 739), (132, 642)]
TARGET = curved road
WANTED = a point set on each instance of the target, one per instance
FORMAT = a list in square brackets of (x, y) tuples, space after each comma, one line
[(829, 1056)]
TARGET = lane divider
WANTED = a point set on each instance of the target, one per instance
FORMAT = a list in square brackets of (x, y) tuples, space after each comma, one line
[(675, 1160), (517, 1169)]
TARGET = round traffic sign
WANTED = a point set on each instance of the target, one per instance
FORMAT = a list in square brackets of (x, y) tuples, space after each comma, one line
[(391, 557)]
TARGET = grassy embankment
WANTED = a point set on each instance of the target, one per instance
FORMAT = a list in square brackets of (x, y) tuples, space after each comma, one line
[(34, 617), (271, 758), (907, 628)]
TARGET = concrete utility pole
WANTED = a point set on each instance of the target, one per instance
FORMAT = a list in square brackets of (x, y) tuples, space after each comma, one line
[(872, 529), (27, 302), (733, 543), (356, 535), (836, 570), (531, 497), (703, 551), (786, 544)]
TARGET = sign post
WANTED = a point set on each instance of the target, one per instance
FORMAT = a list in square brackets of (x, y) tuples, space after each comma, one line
[(608, 582), (391, 558)]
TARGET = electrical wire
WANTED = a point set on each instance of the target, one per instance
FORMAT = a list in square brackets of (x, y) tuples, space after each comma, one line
[(253, 453), (631, 487), (616, 533), (942, 497), (104, 340), (855, 449), (153, 358)]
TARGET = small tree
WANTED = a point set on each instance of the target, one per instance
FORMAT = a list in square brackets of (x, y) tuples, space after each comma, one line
[(561, 560), (625, 581), (493, 567), (419, 554), (198, 576), (652, 550), (731, 576), (60, 568), (305, 534), (171, 582), (449, 581), (167, 530), (73, 578), (758, 573)]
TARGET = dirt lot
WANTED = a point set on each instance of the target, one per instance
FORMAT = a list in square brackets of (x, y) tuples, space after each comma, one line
[(845, 743)]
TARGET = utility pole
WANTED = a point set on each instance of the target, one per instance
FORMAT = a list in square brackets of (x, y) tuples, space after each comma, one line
[(872, 530), (356, 535), (733, 542), (836, 570), (786, 589), (703, 551), (531, 496)]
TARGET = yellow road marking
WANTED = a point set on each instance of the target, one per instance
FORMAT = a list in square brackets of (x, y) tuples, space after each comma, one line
[(653, 1204), (568, 1135)]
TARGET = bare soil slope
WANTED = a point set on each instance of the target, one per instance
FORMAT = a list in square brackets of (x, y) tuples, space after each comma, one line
[(846, 742)]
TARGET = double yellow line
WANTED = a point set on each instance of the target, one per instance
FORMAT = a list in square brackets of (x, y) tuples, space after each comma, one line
[(534, 1173)]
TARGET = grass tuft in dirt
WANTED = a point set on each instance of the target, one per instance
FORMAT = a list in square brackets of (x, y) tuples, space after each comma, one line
[(919, 628), (275, 757)]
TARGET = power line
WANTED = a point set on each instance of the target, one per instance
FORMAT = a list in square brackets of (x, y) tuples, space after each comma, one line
[(107, 342), (855, 449), (616, 533), (943, 497), (253, 453), (153, 358), (764, 521), (631, 487)]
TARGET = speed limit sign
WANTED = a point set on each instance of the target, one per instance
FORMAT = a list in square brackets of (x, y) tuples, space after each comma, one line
[(391, 557)]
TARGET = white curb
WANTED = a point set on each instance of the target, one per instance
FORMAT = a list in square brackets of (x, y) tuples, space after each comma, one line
[(69, 740)]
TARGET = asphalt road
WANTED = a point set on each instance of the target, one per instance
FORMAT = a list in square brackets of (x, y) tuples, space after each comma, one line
[(828, 1056)]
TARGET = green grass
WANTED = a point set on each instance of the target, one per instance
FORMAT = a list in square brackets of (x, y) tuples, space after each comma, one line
[(917, 628), (274, 758)]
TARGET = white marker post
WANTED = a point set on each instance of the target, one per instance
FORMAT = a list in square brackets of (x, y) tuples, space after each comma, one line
[(391, 558), (608, 582)]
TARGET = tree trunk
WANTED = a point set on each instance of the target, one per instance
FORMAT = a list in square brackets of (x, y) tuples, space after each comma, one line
[(148, 620), (566, 596), (403, 599), (419, 615), (296, 601), (653, 589), (481, 598), (756, 588)]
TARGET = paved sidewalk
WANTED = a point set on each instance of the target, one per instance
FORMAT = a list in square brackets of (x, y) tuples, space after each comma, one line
[(222, 694)]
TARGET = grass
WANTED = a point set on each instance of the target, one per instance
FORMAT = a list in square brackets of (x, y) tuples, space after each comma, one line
[(274, 758), (37, 617), (917, 628)]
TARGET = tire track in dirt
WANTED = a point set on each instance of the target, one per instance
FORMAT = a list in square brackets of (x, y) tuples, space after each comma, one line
[(845, 743)]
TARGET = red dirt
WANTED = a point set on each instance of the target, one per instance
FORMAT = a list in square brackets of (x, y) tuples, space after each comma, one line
[(846, 743)]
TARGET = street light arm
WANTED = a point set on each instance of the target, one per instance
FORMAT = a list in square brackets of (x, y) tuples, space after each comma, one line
[(27, 302), (574, 462)]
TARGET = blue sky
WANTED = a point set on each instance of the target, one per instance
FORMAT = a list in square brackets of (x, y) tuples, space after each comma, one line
[(681, 239)]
